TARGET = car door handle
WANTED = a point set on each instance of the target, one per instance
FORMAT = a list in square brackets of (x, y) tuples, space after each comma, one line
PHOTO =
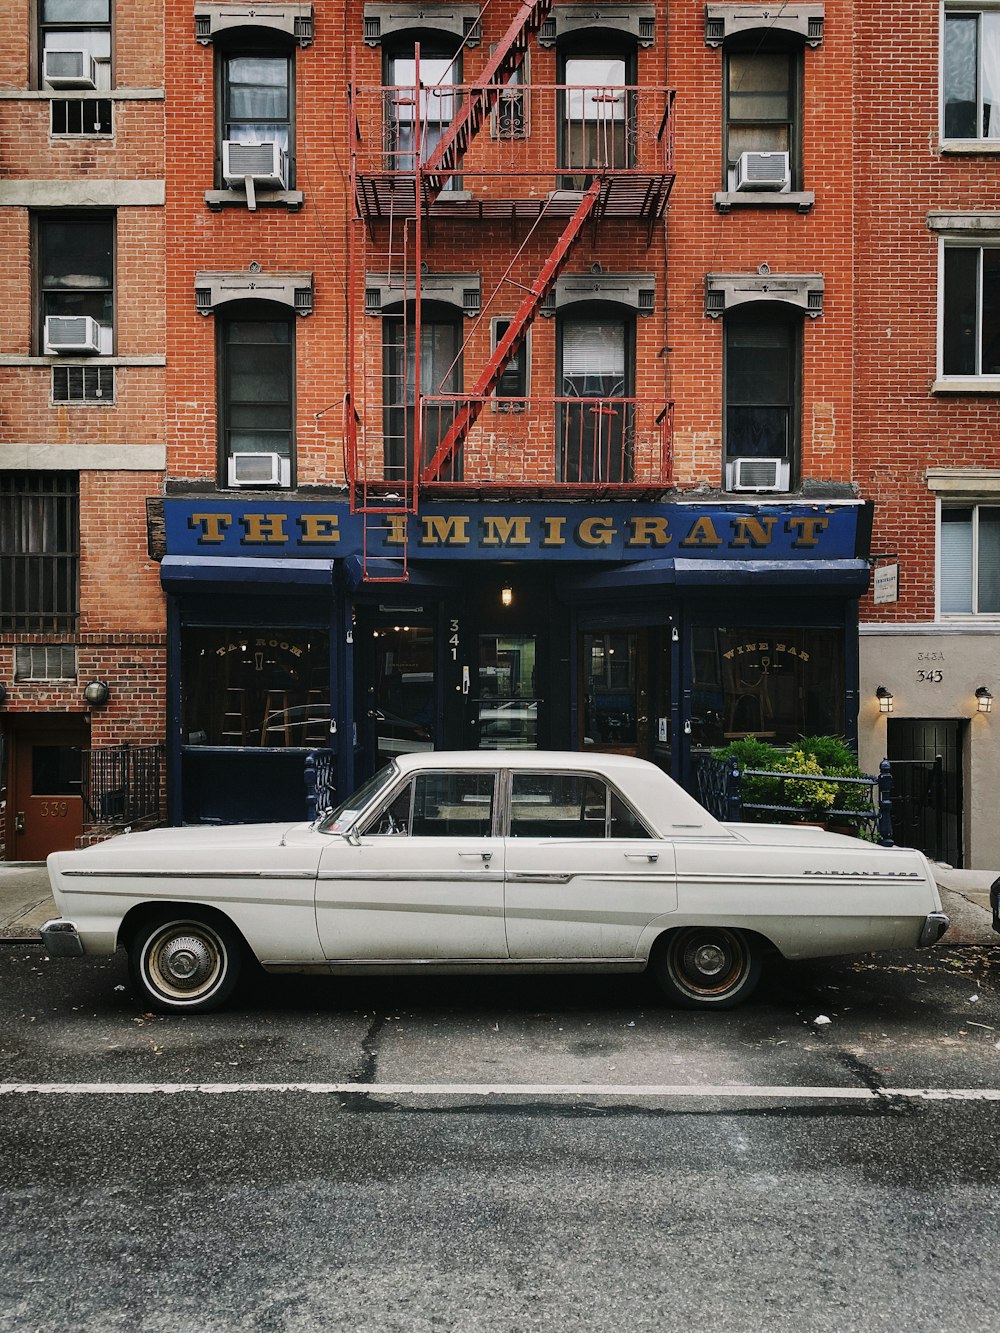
[(642, 856), (485, 855)]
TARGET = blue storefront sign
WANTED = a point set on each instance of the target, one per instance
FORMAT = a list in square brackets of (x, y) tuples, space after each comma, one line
[(612, 532)]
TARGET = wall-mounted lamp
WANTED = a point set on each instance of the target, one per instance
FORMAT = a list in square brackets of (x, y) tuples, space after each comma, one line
[(96, 693), (884, 698), (984, 700), (506, 596)]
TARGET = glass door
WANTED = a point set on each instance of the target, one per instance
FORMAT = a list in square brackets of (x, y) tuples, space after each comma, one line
[(596, 424), (508, 704), (615, 692)]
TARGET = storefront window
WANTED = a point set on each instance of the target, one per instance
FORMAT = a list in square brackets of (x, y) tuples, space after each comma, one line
[(773, 684), (403, 711), (267, 688)]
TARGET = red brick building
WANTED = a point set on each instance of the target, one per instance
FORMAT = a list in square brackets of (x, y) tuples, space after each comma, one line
[(82, 370), (926, 411), (620, 496)]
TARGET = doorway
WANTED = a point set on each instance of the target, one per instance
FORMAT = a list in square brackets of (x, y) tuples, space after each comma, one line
[(926, 759), (44, 800), (614, 691)]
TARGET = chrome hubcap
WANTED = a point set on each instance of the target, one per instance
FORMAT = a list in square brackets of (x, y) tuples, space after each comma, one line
[(185, 963), (709, 959)]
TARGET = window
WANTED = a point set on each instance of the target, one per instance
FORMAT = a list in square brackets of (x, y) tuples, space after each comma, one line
[(971, 73), (256, 408), (45, 662), (513, 383), (256, 687), (597, 418), (440, 373), (78, 116), (39, 551), (257, 102), (762, 106), (761, 385), (76, 282), (569, 805), (440, 805), (510, 116), (971, 310), (598, 113), (74, 43), (428, 116), (970, 560), (777, 684)]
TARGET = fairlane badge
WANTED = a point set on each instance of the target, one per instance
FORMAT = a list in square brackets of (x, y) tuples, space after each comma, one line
[(861, 874)]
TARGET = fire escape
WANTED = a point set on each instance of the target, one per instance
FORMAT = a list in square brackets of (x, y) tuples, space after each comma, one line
[(413, 148)]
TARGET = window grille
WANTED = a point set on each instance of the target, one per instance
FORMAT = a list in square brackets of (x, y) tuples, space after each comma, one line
[(83, 384), (81, 115), (49, 661), (39, 551)]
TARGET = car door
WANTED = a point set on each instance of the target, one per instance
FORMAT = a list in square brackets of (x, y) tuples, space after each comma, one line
[(584, 877), (424, 879)]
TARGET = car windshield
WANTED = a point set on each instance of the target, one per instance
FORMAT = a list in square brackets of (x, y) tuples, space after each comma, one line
[(346, 814)]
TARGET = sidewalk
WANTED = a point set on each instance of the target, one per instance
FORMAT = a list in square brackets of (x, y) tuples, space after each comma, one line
[(25, 903)]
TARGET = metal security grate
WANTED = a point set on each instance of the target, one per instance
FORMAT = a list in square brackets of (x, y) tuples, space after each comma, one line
[(50, 661), (83, 384), (82, 115), (39, 551)]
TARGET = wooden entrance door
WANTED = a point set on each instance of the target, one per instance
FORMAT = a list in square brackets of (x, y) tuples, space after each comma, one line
[(44, 805)]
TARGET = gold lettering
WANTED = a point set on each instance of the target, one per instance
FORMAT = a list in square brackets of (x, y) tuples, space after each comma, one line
[(320, 527), (702, 533), (264, 529), (439, 531), (501, 531), (649, 531), (751, 531), (806, 529), (396, 523), (553, 532), (212, 526), (596, 532)]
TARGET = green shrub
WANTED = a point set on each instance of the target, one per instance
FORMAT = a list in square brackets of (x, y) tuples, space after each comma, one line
[(817, 797), (830, 752)]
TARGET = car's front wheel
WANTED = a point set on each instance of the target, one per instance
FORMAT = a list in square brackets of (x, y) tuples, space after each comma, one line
[(183, 964), (707, 967)]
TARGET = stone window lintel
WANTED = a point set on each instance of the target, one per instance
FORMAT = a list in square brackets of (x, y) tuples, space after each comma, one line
[(293, 20), (213, 290), (725, 291), (725, 21)]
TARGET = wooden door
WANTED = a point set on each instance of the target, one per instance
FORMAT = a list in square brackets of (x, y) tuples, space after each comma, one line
[(45, 807)]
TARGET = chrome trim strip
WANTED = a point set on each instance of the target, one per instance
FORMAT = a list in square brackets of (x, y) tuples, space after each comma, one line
[(189, 874), (416, 877), (410, 908), (506, 964)]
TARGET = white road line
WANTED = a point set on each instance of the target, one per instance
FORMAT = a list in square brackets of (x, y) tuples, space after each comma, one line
[(624, 1091)]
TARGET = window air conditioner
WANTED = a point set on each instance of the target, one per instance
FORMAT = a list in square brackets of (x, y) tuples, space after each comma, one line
[(763, 171), (758, 474), (259, 470), (264, 163), (77, 334), (69, 69)]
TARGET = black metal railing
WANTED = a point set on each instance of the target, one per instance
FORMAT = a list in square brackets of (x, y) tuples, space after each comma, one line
[(719, 787), (121, 784), (320, 789)]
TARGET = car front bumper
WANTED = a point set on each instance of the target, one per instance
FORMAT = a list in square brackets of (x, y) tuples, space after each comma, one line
[(61, 939), (933, 928)]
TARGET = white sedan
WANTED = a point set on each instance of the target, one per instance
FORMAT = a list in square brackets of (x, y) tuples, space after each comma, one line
[(494, 862)]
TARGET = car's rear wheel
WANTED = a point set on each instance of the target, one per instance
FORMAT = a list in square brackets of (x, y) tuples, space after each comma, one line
[(707, 967), (184, 964)]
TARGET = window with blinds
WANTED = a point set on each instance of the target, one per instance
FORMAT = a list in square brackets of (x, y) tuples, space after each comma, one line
[(970, 560), (39, 551)]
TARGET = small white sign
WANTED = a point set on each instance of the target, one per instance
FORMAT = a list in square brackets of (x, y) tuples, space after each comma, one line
[(886, 584)]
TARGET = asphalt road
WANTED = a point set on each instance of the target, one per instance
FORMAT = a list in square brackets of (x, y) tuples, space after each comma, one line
[(515, 1155)]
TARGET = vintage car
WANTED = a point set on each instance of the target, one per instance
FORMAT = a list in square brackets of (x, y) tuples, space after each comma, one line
[(496, 861)]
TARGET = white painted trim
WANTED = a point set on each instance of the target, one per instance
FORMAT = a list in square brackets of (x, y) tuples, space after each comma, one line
[(977, 625), (89, 193), (83, 457)]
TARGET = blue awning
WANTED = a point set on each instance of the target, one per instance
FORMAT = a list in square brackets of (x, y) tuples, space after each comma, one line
[(848, 577), (383, 569), (178, 572)]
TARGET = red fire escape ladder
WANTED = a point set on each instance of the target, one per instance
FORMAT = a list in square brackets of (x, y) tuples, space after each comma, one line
[(482, 96), (468, 414)]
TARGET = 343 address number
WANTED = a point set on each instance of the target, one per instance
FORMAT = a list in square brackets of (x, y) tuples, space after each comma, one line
[(930, 677)]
